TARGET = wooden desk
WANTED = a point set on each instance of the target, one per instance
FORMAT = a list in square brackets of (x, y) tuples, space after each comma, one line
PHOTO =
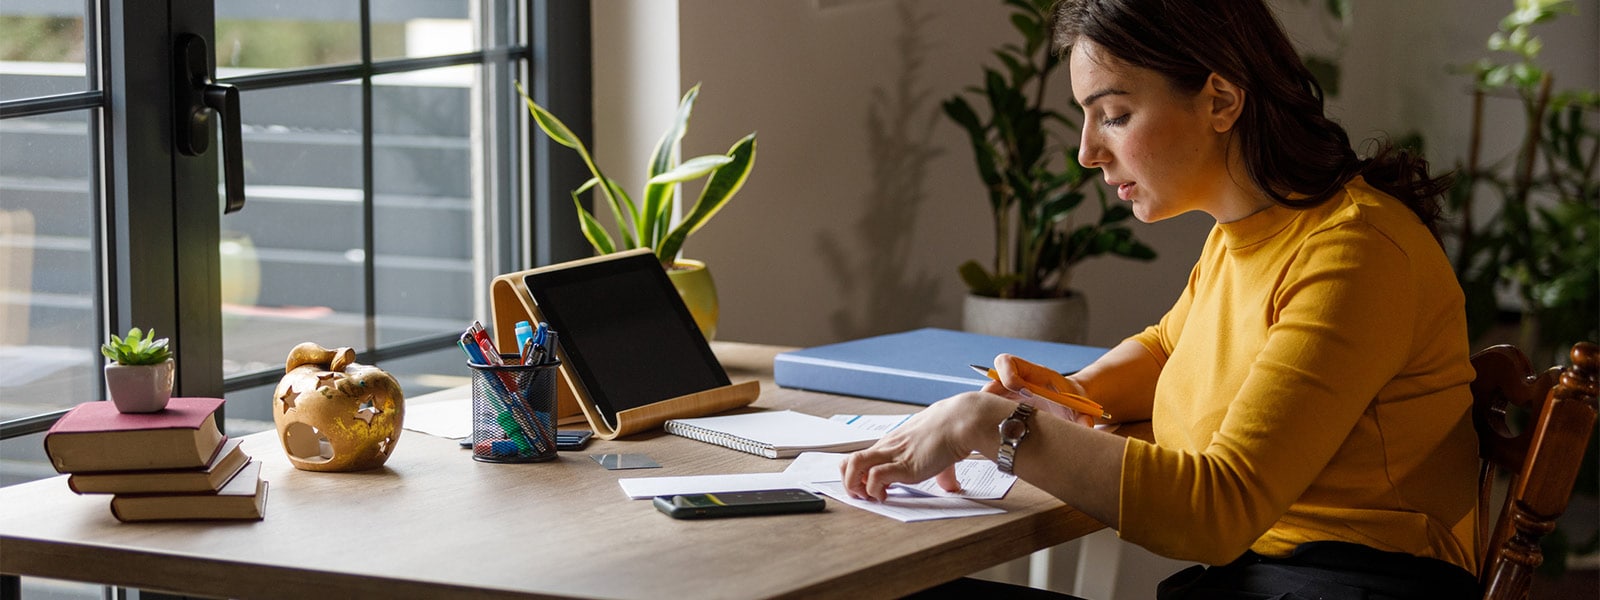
[(435, 523)]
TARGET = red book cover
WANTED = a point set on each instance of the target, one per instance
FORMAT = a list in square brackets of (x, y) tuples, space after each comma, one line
[(181, 413), (94, 436)]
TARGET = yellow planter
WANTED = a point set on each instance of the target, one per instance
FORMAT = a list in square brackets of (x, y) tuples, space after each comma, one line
[(694, 285)]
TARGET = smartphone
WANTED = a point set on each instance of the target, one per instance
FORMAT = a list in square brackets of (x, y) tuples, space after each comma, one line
[(735, 504), (572, 440)]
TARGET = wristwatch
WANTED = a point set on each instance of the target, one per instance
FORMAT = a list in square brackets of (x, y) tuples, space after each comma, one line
[(1012, 430)]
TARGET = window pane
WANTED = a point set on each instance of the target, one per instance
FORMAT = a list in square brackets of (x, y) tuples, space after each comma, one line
[(41, 50), (49, 337), (292, 261), (282, 35), (423, 159), (414, 28)]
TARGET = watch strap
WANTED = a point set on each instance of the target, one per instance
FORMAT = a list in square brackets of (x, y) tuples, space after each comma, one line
[(1012, 430)]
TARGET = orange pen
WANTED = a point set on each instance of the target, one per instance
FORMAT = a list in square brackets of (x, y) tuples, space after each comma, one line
[(1070, 400)]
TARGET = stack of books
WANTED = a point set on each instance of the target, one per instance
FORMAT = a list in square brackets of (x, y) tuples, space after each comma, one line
[(173, 464)]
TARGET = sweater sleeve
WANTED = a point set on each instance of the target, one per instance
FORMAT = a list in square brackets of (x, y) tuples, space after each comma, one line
[(1339, 329)]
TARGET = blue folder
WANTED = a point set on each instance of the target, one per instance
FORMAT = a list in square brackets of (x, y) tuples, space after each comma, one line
[(921, 366)]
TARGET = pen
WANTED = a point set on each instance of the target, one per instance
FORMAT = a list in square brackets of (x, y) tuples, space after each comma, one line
[(530, 349), (524, 333), (1067, 399), (475, 342)]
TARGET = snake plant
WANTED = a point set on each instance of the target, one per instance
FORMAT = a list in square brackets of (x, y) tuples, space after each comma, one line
[(647, 224)]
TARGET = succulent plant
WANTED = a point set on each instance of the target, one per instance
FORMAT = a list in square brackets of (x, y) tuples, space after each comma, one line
[(138, 348)]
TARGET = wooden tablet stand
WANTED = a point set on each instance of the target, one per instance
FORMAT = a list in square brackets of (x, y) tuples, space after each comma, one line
[(510, 302)]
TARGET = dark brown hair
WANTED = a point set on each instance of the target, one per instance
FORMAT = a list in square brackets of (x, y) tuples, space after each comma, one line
[(1289, 146)]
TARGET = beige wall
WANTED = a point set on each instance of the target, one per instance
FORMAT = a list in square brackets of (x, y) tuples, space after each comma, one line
[(864, 199)]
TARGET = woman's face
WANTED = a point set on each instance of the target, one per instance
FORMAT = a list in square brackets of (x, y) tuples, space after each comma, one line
[(1160, 147)]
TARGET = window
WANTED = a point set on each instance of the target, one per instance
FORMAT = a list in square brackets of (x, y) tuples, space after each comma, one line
[(387, 165)]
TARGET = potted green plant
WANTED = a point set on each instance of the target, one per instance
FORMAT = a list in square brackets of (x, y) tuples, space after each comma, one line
[(1027, 158), (1543, 239), (1539, 244), (648, 222), (139, 376)]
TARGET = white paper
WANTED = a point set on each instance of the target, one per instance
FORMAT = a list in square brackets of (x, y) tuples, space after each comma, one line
[(447, 418), (815, 466), (980, 479), (907, 508), (878, 423), (649, 487)]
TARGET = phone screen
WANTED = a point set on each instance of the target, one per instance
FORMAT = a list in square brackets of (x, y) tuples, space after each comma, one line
[(730, 504)]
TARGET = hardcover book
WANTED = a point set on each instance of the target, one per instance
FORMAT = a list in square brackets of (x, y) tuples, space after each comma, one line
[(205, 479), (93, 436), (921, 366), (243, 497)]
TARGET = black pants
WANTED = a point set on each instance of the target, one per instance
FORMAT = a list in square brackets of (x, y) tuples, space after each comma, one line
[(1324, 570), (1315, 570)]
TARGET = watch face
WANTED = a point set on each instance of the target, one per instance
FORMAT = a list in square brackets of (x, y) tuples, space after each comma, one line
[(1013, 428)]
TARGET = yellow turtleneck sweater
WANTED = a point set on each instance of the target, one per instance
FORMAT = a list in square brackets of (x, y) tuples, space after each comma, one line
[(1313, 387)]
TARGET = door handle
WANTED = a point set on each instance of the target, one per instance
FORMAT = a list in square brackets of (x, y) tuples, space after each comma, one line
[(197, 96)]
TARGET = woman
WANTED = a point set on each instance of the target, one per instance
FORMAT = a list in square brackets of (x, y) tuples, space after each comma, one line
[(1308, 389)]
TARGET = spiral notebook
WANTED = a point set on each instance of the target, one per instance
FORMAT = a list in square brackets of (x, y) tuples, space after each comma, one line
[(774, 434)]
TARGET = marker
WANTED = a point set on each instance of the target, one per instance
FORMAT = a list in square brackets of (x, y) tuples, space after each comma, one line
[(524, 333), (1070, 400), (552, 340)]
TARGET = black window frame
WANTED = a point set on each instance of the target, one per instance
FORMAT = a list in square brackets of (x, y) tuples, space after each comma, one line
[(541, 228)]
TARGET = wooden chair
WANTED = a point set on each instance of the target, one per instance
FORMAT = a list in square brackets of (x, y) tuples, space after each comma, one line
[(1543, 459)]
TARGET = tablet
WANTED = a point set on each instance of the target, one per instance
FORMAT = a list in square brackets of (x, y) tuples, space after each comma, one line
[(626, 337)]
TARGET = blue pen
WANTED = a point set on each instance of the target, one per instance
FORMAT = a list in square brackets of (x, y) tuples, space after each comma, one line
[(519, 413), (474, 355), (546, 355)]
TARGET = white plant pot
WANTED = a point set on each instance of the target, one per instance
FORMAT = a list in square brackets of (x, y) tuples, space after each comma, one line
[(1064, 320), (139, 388)]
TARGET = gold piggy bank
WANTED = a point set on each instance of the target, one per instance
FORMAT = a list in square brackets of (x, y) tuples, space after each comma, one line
[(334, 414)]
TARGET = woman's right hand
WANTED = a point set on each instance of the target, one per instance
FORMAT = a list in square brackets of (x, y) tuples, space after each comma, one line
[(1014, 371)]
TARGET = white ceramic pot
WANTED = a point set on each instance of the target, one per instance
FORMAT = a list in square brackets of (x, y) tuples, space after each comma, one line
[(1064, 320), (139, 388)]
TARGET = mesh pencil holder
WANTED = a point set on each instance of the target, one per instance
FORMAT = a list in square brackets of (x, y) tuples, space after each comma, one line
[(513, 412)]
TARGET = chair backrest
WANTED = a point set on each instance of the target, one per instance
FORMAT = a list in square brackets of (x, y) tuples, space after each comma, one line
[(1542, 458)]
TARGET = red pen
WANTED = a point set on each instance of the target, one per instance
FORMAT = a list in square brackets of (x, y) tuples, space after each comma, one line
[(492, 355)]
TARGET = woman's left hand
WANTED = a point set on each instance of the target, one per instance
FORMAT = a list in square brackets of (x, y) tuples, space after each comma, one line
[(928, 445), (1017, 371)]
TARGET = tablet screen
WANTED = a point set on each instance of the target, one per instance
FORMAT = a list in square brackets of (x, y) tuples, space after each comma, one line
[(625, 332)]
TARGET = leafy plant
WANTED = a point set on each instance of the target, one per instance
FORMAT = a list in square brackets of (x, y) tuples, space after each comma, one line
[(1325, 67), (1541, 242), (138, 348), (647, 224), (1026, 158)]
